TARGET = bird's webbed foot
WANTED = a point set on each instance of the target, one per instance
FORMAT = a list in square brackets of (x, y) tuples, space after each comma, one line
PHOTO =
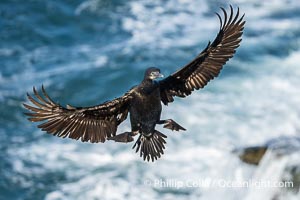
[(170, 124), (123, 137)]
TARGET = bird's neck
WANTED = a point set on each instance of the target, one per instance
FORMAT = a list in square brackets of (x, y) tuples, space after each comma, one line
[(147, 82), (148, 86)]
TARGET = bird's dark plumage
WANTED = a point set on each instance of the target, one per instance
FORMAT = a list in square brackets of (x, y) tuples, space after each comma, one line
[(143, 102), (208, 64), (94, 124)]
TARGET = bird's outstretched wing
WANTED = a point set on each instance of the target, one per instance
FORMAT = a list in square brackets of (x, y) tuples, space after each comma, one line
[(94, 124), (208, 63)]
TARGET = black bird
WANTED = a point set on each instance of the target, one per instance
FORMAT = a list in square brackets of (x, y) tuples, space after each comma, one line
[(143, 102)]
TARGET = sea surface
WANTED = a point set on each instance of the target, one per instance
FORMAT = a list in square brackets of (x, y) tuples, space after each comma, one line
[(88, 51)]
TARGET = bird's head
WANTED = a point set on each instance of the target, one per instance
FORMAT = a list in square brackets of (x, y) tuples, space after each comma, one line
[(153, 73)]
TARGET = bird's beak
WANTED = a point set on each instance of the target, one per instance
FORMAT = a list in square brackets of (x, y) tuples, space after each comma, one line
[(158, 75)]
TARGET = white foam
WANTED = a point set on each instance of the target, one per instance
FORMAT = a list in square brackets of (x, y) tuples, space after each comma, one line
[(153, 23), (89, 5), (100, 61), (56, 195)]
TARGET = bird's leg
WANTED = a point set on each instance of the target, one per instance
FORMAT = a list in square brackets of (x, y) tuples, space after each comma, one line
[(123, 137), (170, 124)]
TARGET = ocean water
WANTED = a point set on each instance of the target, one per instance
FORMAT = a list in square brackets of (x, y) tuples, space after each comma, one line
[(86, 52)]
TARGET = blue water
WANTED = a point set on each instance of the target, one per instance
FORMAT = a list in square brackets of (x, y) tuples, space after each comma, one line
[(87, 52)]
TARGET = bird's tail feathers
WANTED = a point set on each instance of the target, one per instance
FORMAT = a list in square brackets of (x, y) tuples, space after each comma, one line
[(150, 147)]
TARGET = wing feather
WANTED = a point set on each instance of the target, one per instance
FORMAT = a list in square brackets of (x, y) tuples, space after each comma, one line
[(208, 64), (94, 124)]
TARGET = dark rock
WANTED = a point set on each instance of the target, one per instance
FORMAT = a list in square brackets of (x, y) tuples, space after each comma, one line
[(253, 155), (281, 146)]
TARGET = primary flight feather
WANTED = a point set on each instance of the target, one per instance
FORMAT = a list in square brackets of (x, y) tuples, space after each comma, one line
[(143, 102)]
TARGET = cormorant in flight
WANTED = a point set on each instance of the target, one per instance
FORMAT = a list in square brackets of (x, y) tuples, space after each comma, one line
[(143, 102)]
